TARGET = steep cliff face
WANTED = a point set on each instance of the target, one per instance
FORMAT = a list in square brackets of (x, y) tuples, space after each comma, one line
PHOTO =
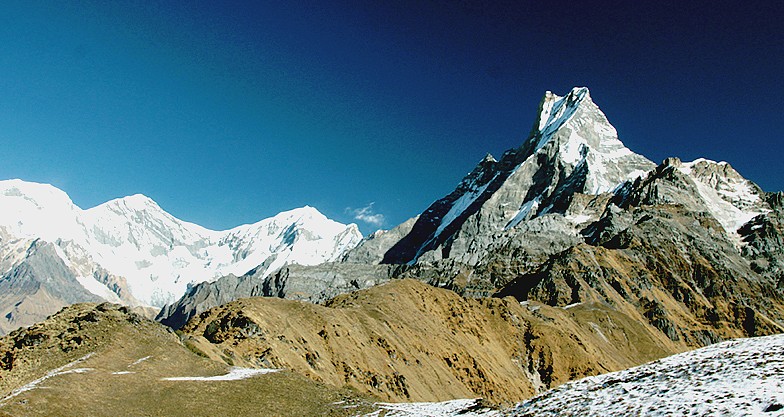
[(572, 149), (39, 285), (764, 238), (679, 251)]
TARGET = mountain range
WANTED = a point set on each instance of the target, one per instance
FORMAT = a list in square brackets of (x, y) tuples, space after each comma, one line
[(130, 251), (572, 216), (566, 257)]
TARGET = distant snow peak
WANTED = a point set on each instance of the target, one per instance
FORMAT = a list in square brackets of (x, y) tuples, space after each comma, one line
[(157, 254), (135, 202), (731, 199)]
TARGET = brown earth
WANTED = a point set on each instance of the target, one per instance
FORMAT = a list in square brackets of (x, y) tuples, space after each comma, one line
[(408, 341)]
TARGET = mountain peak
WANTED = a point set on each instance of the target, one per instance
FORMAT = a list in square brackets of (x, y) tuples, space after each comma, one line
[(300, 214), (555, 110), (41, 194), (489, 158), (573, 149), (139, 201), (131, 203), (305, 210), (573, 131)]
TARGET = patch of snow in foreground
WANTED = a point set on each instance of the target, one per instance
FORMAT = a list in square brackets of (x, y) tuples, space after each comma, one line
[(54, 372), (743, 377), (462, 408), (140, 360), (233, 375)]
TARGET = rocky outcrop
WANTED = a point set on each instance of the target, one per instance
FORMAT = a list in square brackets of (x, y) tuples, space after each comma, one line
[(315, 284), (764, 238), (664, 253), (75, 331)]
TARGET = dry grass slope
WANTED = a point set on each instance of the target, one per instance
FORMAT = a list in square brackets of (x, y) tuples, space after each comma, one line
[(407, 341), (128, 356)]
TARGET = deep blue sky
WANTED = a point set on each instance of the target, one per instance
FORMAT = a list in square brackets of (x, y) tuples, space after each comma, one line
[(226, 113)]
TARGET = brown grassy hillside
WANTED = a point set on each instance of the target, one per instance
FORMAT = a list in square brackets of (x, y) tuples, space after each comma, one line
[(407, 341), (120, 360)]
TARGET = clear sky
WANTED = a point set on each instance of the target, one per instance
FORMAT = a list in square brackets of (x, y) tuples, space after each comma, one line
[(229, 112)]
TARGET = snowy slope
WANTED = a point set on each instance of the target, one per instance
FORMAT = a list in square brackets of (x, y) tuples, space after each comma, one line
[(462, 408), (743, 377), (731, 199), (158, 255)]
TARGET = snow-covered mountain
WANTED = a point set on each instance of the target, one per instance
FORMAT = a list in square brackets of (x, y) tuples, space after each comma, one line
[(572, 149), (131, 250)]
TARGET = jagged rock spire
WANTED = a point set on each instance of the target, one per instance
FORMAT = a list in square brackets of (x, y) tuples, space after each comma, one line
[(572, 149)]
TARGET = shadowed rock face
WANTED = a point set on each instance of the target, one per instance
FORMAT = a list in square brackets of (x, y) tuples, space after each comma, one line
[(38, 286), (314, 284)]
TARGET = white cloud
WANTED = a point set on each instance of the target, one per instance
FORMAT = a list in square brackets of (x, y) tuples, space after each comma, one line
[(366, 214)]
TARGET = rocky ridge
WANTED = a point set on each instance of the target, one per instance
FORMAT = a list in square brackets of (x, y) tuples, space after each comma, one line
[(294, 282)]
